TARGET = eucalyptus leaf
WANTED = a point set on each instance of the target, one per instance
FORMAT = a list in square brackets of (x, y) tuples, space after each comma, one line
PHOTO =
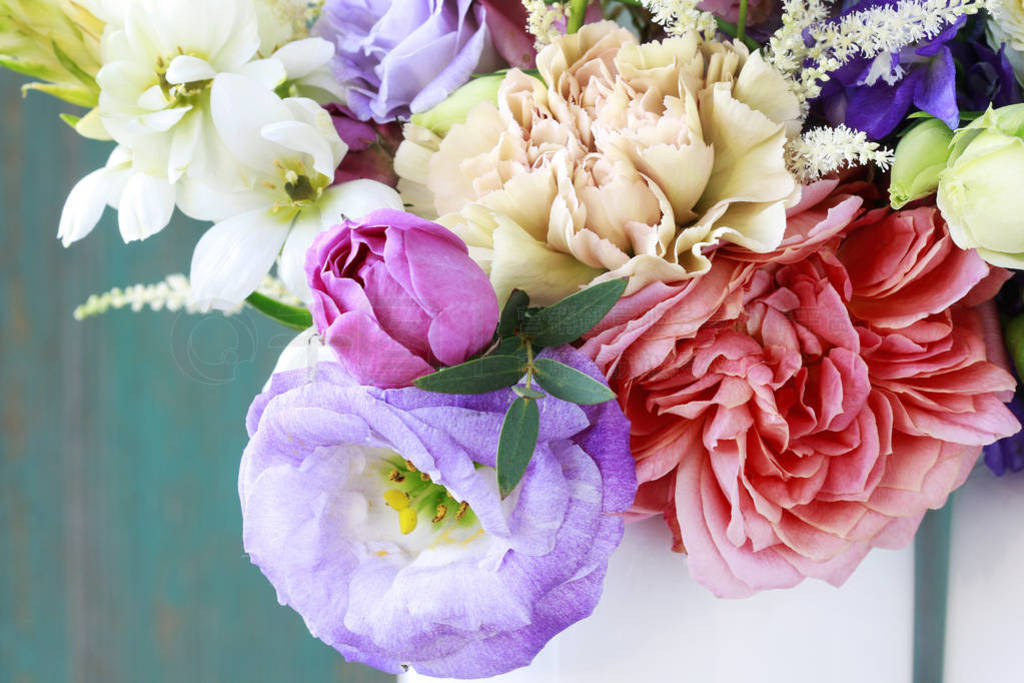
[(516, 443), (575, 315), (514, 312), (570, 384), (528, 392), (511, 346), (292, 316), (478, 376)]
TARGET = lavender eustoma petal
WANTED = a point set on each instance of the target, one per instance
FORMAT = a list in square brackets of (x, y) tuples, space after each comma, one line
[(399, 58), (467, 601)]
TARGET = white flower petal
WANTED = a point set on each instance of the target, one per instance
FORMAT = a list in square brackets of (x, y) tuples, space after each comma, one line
[(183, 145), (241, 107), (83, 208), (301, 57), (162, 121), (147, 203), (233, 256), (188, 69), (291, 267), (153, 99), (302, 137), (269, 73), (355, 199)]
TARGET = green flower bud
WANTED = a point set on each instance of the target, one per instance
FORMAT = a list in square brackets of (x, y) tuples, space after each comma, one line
[(56, 41), (981, 195), (457, 106), (920, 156)]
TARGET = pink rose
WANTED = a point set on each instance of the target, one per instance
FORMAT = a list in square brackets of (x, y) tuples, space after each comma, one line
[(848, 391), (396, 296)]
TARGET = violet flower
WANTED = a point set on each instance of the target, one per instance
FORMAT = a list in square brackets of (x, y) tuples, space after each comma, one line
[(1007, 455), (874, 95), (371, 147), (376, 515), (986, 77), (403, 57)]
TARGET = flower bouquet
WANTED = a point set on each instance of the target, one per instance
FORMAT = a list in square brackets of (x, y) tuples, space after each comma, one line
[(741, 266)]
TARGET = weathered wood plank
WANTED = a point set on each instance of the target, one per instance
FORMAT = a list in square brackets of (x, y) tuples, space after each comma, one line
[(120, 529)]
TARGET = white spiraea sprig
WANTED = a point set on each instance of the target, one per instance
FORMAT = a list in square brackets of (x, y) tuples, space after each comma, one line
[(173, 293), (867, 33), (679, 16), (541, 20), (821, 151)]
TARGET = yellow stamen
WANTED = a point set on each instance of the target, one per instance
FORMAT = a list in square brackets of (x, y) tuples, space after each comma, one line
[(407, 520), (409, 466), (396, 476), (463, 506), (424, 476), (399, 500)]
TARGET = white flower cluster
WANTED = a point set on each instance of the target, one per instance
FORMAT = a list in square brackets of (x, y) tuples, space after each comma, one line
[(200, 126), (173, 293), (821, 151), (867, 33), (679, 16), (542, 20)]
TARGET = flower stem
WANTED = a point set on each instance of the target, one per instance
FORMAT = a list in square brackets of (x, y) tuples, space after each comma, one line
[(741, 23), (732, 30), (577, 12), (291, 316)]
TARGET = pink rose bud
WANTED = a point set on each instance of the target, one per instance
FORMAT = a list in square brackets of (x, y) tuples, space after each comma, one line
[(396, 296)]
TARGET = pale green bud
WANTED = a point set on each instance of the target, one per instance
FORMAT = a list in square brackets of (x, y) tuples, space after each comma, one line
[(981, 194), (56, 41), (920, 156), (457, 106)]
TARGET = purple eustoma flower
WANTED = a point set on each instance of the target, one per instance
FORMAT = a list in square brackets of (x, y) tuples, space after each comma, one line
[(402, 57), (376, 515), (874, 95)]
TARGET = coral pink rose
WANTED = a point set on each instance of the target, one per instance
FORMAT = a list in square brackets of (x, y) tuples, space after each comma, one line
[(789, 416)]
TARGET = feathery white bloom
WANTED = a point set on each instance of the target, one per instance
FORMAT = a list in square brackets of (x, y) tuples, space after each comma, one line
[(679, 16), (173, 293), (866, 33), (541, 20), (821, 151), (288, 151), (282, 21)]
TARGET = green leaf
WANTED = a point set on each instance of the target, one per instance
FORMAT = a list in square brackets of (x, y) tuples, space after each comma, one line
[(478, 376), (70, 119), (1013, 331), (514, 312), (570, 384), (516, 443), (511, 346), (575, 315), (528, 392), (292, 316)]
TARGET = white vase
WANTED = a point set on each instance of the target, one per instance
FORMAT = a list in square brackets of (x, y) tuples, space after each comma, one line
[(656, 624), (985, 609)]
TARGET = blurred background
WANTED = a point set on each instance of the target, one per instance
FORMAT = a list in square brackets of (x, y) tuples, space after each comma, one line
[(120, 528)]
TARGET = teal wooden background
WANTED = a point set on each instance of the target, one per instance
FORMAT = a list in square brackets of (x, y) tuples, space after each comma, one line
[(120, 531)]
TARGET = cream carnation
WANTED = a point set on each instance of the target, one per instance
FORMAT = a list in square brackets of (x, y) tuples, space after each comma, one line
[(622, 159)]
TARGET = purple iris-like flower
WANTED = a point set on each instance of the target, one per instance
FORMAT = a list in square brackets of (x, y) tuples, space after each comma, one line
[(986, 77), (376, 515), (405, 56), (874, 95), (1007, 455)]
